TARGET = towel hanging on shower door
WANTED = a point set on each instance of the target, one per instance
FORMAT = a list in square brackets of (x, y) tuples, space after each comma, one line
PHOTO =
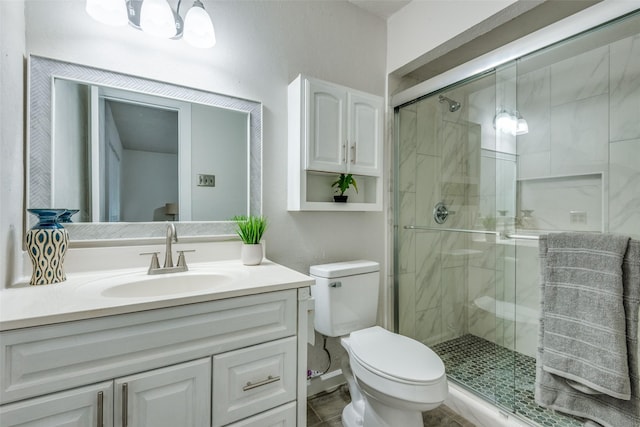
[(552, 389)]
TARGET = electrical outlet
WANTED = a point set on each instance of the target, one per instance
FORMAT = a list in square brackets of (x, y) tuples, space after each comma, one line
[(206, 180)]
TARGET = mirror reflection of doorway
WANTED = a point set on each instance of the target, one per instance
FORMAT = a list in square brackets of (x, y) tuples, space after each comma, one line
[(141, 161)]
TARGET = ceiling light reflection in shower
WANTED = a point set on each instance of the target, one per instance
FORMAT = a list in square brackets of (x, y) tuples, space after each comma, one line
[(511, 123), (156, 17)]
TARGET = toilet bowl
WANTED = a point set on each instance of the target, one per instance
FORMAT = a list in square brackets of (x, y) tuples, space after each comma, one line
[(399, 378), (392, 378)]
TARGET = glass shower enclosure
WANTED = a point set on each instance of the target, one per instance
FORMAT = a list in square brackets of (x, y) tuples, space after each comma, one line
[(548, 142)]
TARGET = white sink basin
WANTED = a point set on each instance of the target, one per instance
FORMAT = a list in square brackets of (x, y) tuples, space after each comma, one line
[(141, 285), (166, 285)]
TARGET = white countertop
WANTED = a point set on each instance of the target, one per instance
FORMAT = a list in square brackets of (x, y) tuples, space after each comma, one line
[(79, 297)]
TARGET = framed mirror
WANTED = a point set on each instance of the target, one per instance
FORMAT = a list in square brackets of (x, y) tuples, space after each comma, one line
[(131, 153)]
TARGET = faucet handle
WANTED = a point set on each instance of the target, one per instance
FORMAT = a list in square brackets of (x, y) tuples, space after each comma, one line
[(182, 262), (155, 264)]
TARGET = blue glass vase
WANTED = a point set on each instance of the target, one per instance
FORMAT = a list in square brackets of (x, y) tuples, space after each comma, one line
[(47, 244), (65, 217)]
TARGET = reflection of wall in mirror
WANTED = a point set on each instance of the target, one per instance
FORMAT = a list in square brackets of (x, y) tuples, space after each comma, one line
[(71, 149), (226, 132)]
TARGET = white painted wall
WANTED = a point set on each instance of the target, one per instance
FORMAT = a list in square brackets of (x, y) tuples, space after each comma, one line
[(12, 48), (70, 148), (219, 147), (148, 181), (423, 25), (261, 47)]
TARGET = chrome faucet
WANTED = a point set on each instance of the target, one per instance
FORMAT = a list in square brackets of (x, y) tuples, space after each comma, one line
[(172, 237), (168, 267)]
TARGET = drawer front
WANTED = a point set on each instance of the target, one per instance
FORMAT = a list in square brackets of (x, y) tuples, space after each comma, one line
[(46, 359), (282, 416), (253, 379)]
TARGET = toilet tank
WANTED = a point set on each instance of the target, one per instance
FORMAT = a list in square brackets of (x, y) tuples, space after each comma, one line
[(346, 296)]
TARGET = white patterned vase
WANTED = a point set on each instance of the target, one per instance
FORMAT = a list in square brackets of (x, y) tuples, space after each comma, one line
[(47, 244)]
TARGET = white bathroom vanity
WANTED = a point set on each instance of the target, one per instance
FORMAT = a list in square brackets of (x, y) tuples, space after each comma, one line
[(220, 345)]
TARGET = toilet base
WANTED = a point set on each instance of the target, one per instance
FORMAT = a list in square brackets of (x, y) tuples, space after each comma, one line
[(350, 417)]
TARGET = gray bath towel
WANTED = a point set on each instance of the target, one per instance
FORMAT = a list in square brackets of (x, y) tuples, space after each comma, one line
[(554, 391)]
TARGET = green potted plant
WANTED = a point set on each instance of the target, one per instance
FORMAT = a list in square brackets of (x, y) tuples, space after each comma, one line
[(489, 223), (342, 184), (250, 230)]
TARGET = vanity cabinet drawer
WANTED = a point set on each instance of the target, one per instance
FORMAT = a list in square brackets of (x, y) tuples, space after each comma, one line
[(253, 379), (46, 359), (282, 416)]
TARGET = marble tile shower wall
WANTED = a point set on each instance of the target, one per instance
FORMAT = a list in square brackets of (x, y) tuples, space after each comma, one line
[(584, 140), (437, 163)]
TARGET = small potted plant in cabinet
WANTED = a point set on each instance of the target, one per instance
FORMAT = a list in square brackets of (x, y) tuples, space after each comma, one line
[(342, 184)]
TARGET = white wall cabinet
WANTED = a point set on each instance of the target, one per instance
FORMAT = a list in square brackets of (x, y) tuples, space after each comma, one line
[(343, 128), (333, 129), (157, 367)]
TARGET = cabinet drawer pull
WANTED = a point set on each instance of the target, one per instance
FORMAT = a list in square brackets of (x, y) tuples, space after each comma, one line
[(270, 379), (125, 404), (100, 409)]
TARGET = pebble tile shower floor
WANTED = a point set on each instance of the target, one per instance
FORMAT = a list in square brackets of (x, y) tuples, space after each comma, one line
[(491, 371)]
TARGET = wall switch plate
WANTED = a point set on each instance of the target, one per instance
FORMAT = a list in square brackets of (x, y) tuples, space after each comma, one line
[(577, 217), (206, 180)]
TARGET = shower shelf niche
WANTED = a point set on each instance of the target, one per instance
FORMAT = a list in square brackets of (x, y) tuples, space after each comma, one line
[(565, 202)]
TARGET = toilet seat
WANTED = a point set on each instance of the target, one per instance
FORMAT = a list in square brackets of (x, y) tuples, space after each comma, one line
[(396, 357)]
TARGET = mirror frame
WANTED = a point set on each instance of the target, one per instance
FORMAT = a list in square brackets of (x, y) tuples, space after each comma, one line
[(42, 72)]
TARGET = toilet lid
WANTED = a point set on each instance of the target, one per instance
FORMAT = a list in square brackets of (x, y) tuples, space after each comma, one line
[(395, 355)]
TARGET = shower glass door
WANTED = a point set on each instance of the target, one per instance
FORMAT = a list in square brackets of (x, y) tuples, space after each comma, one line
[(455, 276), (547, 143)]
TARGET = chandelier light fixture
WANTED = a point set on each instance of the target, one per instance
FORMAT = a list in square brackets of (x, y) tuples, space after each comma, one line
[(511, 123), (156, 17)]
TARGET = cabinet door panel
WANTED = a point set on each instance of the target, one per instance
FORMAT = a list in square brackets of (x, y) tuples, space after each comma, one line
[(326, 127), (179, 395), (81, 407), (365, 144)]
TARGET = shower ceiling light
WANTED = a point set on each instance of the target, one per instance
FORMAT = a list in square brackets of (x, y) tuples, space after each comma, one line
[(522, 126), (510, 123), (156, 17)]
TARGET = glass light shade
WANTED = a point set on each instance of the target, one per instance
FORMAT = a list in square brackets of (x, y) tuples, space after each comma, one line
[(198, 28), (110, 12), (522, 127), (505, 122), (156, 18)]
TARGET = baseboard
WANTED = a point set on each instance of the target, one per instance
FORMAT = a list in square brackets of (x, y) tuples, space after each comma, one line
[(326, 382)]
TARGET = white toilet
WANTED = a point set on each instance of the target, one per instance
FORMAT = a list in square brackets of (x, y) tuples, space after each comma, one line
[(392, 378)]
